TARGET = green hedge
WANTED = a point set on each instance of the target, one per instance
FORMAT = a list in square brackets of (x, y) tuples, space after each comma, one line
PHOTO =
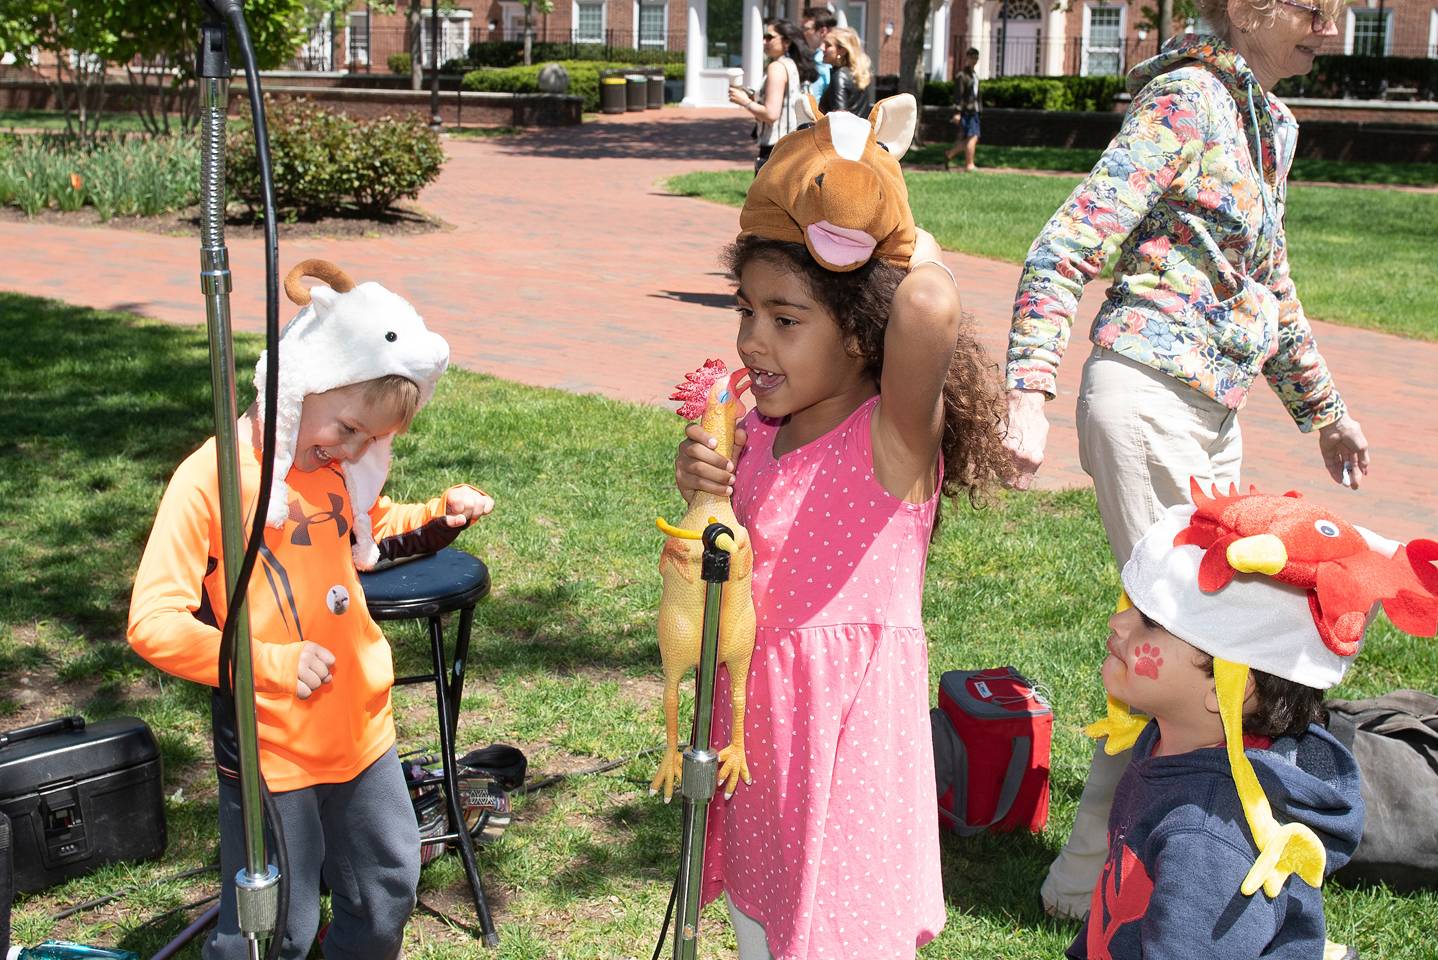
[(324, 161), (1337, 77), (1037, 93), (583, 78), (510, 53)]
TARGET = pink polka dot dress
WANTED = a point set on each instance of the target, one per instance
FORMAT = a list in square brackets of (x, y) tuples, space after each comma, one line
[(834, 847)]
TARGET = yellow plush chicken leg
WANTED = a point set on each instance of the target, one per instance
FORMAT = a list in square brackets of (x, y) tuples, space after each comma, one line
[(681, 607), (1283, 849)]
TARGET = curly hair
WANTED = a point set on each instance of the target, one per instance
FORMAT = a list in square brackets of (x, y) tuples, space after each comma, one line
[(1282, 708), (859, 301)]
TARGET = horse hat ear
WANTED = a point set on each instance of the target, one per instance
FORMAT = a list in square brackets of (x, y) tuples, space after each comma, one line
[(807, 110), (894, 120)]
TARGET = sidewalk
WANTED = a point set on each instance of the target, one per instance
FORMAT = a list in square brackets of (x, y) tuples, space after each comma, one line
[(568, 272)]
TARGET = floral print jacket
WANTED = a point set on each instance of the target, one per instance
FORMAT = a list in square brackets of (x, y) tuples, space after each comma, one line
[(1191, 195)]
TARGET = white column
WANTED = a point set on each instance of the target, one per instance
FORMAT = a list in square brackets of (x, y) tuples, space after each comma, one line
[(753, 44), (841, 12), (939, 44), (696, 45), (979, 37), (1054, 39)]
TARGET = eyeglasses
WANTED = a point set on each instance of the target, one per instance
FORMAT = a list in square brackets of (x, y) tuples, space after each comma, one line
[(1321, 20)]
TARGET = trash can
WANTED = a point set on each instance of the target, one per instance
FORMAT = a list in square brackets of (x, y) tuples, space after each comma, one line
[(656, 89), (638, 90), (612, 93)]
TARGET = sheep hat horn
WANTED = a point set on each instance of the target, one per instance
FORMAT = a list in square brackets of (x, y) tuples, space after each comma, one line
[(1279, 584), (346, 333)]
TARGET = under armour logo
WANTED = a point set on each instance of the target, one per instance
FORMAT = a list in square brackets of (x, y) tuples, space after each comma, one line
[(301, 536)]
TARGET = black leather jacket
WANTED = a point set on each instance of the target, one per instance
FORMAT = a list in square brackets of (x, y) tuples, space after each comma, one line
[(843, 94)]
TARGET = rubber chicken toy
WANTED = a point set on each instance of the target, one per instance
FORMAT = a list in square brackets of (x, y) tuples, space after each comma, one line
[(711, 395)]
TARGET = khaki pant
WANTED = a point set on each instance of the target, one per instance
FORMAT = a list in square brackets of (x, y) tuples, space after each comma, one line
[(1142, 435)]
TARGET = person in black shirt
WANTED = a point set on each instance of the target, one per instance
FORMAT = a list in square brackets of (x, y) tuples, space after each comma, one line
[(966, 100)]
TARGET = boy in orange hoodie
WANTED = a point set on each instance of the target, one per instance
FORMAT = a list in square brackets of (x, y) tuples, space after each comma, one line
[(356, 365)]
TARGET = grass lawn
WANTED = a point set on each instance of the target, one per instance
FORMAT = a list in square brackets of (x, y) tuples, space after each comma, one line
[(1362, 258), (1081, 160), (127, 121), (103, 406)]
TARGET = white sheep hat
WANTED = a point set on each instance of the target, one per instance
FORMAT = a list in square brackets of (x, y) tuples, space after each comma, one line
[(346, 334)]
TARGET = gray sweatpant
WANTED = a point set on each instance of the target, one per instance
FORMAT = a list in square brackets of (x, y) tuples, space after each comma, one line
[(360, 837)]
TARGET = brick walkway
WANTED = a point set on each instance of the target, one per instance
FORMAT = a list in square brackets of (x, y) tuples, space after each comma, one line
[(568, 272)]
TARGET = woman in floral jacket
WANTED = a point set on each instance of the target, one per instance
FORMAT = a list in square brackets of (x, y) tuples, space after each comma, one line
[(1191, 196)]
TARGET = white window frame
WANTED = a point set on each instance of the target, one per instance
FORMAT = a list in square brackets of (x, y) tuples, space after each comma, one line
[(603, 20), (350, 17), (1352, 25), (1433, 33), (1088, 10), (856, 12), (663, 41), (453, 35)]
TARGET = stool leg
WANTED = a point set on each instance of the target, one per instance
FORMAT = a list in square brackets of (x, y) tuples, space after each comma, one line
[(451, 788), (461, 659)]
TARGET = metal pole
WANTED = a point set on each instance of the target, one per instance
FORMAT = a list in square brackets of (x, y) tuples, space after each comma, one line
[(257, 885), (434, 120), (701, 765)]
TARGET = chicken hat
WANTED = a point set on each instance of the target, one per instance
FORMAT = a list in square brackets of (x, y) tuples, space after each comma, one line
[(835, 186), (346, 334), (1278, 584)]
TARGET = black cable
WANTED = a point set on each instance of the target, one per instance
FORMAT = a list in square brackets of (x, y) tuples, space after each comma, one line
[(282, 856), (112, 897)]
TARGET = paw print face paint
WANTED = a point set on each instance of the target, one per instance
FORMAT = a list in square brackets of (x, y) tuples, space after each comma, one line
[(1147, 660), (338, 600), (1151, 670)]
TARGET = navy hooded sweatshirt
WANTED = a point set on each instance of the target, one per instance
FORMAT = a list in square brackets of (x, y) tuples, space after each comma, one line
[(1179, 847)]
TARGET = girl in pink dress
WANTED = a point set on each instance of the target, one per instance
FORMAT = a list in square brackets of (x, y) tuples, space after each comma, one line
[(871, 399)]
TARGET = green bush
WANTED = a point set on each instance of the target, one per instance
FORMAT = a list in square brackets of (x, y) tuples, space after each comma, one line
[(1036, 93), (324, 161), (1336, 77), (583, 78), (400, 63), (510, 53), (120, 176)]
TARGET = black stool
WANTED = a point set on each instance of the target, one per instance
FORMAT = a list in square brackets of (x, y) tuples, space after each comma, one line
[(430, 587)]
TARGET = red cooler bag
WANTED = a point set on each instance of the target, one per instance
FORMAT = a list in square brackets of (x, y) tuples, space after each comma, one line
[(992, 732)]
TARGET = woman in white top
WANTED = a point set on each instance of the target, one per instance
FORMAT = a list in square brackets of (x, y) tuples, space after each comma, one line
[(791, 64)]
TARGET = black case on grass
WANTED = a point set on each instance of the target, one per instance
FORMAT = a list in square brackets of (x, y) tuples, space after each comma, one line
[(79, 796)]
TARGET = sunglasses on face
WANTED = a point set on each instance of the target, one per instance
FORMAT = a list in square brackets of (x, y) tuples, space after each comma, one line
[(1321, 20), (771, 36)]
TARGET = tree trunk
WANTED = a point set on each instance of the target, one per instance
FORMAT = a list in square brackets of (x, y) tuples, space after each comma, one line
[(416, 45), (1165, 21), (911, 55), (528, 34)]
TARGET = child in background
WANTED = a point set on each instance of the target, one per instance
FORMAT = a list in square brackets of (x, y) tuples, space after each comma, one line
[(355, 368), (871, 400), (1217, 591)]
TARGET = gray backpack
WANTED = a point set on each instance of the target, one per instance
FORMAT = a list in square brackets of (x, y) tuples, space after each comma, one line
[(1394, 738)]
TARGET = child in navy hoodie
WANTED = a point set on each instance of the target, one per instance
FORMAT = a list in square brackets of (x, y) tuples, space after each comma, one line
[(1234, 785)]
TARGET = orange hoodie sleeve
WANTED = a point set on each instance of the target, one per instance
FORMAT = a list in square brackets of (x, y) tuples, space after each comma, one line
[(176, 606), (390, 518)]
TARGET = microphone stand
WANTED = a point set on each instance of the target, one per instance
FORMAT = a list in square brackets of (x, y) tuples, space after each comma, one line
[(257, 886), (699, 778)]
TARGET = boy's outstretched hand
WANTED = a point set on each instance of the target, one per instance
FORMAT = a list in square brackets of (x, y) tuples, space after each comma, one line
[(465, 504), (314, 672)]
